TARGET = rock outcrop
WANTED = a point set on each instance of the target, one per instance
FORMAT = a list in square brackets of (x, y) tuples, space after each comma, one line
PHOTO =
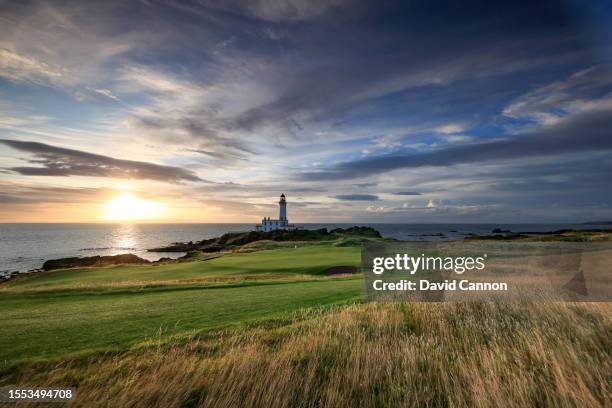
[(87, 261)]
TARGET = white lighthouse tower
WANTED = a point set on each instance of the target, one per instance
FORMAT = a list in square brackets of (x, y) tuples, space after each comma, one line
[(282, 208), (282, 223)]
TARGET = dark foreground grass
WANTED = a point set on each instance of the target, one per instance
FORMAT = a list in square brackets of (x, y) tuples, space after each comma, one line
[(373, 355)]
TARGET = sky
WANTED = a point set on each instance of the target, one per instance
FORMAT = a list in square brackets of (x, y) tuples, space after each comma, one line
[(359, 111)]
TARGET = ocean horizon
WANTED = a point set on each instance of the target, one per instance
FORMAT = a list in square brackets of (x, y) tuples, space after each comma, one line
[(26, 246)]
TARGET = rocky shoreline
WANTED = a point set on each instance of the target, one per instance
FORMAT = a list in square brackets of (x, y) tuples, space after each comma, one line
[(85, 261), (226, 242)]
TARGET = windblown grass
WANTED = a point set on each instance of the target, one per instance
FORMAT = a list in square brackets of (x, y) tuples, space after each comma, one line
[(378, 354)]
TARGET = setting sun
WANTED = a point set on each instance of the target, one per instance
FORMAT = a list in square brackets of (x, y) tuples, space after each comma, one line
[(126, 207)]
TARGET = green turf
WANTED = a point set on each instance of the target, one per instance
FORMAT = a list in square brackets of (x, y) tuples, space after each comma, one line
[(79, 318), (312, 260)]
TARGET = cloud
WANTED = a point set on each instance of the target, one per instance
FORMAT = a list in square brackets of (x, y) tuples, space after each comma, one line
[(584, 91), (58, 161), (279, 10), (586, 132), (356, 197), (257, 91), (451, 128), (383, 209), (407, 193), (303, 189), (13, 193), (192, 129), (95, 95), (58, 45), (358, 73), (182, 109), (138, 78), (17, 67), (433, 207)]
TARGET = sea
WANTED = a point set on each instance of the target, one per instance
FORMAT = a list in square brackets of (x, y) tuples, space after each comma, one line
[(25, 247)]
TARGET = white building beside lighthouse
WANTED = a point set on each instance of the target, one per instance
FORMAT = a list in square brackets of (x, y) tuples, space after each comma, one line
[(282, 223)]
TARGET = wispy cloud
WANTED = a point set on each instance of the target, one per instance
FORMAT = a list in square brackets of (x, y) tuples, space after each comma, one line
[(584, 91), (13, 193), (586, 132), (62, 162), (432, 207), (471, 106), (451, 128), (276, 10), (407, 193), (356, 197), (18, 67)]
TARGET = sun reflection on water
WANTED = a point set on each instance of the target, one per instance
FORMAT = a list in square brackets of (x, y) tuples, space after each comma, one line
[(124, 238)]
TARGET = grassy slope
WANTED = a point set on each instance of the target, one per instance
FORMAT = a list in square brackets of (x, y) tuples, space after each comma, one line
[(369, 355), (387, 354), (89, 313)]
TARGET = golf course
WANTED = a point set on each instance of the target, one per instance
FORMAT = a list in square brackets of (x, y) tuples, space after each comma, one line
[(276, 323), (79, 310)]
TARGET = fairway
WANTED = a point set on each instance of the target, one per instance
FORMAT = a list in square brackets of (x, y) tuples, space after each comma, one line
[(88, 315), (277, 263)]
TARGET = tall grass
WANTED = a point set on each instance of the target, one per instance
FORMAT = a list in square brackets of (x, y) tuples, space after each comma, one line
[(369, 355)]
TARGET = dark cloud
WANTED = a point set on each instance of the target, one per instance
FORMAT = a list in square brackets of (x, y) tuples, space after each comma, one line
[(356, 197), (393, 50), (263, 88), (58, 161), (586, 132), (13, 193), (302, 190), (201, 129), (279, 10), (571, 182)]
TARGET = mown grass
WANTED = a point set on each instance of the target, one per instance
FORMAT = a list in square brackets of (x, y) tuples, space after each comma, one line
[(306, 260), (83, 310), (369, 355), (51, 325)]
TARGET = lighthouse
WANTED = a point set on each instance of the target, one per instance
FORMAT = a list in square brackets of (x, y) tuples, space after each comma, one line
[(282, 223), (282, 208)]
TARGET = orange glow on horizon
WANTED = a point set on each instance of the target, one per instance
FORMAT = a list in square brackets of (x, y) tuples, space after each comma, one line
[(126, 207)]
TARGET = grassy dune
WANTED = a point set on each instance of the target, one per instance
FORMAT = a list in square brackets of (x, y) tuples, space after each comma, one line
[(436, 354)]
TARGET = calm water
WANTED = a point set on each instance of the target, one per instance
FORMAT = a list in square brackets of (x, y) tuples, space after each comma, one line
[(24, 247)]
